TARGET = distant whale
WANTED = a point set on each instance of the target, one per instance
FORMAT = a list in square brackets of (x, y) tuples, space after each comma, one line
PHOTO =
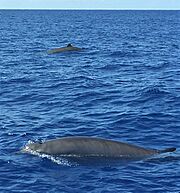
[(69, 47), (91, 146)]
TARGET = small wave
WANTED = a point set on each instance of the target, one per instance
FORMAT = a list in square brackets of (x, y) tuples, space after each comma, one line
[(80, 77), (21, 80), (158, 65), (88, 95), (132, 53), (119, 54), (92, 53), (110, 67), (152, 91), (176, 46)]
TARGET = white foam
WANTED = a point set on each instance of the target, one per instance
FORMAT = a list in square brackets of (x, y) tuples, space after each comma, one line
[(57, 160)]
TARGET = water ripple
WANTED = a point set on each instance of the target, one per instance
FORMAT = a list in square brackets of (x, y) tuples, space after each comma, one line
[(124, 85)]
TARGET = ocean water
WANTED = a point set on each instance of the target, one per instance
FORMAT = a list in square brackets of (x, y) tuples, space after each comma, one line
[(124, 85)]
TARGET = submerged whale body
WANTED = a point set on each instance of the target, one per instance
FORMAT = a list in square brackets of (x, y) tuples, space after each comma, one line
[(69, 47), (91, 146)]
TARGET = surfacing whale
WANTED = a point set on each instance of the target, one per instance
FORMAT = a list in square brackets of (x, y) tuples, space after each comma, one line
[(91, 147), (69, 47)]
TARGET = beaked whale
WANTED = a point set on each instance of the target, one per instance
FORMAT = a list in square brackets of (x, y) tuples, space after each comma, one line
[(69, 47), (91, 146)]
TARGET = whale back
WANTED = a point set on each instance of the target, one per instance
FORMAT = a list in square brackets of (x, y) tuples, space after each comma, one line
[(86, 146), (63, 49)]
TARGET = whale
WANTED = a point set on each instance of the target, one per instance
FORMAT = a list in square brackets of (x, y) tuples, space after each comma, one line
[(82, 146), (69, 47)]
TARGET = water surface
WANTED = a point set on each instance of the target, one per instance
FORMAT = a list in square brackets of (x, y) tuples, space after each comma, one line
[(124, 85)]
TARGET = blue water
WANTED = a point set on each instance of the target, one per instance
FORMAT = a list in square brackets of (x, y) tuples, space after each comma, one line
[(124, 85)]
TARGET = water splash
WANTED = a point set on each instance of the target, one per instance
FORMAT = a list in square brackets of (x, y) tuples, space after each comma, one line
[(57, 160)]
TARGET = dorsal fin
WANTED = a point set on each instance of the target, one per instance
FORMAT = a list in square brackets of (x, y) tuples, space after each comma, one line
[(69, 45)]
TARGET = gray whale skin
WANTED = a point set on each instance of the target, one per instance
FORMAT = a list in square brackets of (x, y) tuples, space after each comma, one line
[(69, 47), (91, 146)]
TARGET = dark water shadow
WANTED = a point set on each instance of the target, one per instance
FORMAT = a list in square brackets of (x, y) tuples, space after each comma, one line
[(163, 159), (98, 161), (118, 161)]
